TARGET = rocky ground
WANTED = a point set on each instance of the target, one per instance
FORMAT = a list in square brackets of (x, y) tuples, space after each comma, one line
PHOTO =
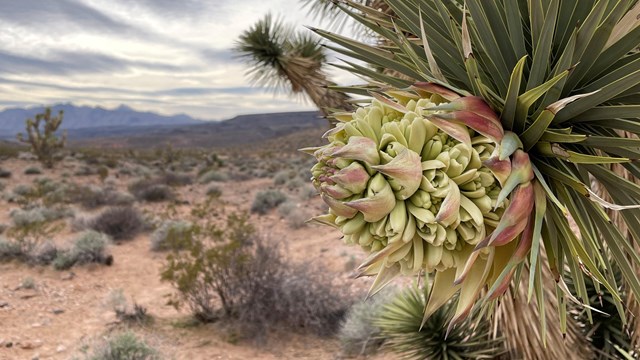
[(51, 314)]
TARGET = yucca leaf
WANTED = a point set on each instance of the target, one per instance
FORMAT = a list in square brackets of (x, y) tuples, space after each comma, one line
[(542, 51), (511, 100)]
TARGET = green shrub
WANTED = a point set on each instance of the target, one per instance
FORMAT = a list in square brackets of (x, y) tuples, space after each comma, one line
[(170, 234), (267, 200), (214, 191), (32, 170), (124, 346), (358, 334), (120, 223), (24, 218), (213, 175)]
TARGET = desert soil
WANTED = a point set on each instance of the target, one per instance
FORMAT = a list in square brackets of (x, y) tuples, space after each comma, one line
[(68, 310)]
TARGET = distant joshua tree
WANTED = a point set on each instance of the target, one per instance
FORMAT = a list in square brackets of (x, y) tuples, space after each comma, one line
[(42, 138), (285, 60)]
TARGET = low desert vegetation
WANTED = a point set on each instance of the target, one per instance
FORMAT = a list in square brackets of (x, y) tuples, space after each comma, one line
[(267, 200), (122, 346), (169, 234), (120, 222), (88, 247), (232, 274)]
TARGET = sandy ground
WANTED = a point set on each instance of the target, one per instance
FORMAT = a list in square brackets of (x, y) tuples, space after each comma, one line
[(68, 310)]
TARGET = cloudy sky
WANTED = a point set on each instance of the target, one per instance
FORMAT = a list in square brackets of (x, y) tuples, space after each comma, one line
[(168, 56)]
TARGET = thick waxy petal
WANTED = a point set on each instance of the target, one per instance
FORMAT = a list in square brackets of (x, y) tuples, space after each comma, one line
[(478, 123), (335, 191), (456, 131), (379, 202), (359, 148), (501, 169), (521, 172), (406, 171), (353, 178), (427, 88), (514, 219), (338, 207), (450, 207)]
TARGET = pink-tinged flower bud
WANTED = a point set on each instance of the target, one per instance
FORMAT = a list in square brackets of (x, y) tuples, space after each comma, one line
[(515, 218), (521, 172), (405, 170), (450, 207), (379, 201), (425, 89), (353, 178), (456, 131), (338, 207), (359, 148), (335, 191)]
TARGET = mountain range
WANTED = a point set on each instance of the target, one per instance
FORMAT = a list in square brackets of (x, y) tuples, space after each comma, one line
[(126, 127), (86, 117)]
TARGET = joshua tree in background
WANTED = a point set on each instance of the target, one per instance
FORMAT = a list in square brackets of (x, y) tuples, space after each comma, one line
[(43, 140), (288, 61)]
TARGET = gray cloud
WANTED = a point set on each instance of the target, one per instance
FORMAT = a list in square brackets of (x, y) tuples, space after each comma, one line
[(75, 62)]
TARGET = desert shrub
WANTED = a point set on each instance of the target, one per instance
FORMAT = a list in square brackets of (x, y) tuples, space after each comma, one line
[(155, 193), (298, 219), (91, 197), (282, 177), (121, 222), (91, 247), (233, 274), (10, 249), (28, 283), (125, 312), (358, 334), (45, 253), (24, 218), (22, 190), (32, 170), (170, 233), (294, 184), (2, 186), (308, 192), (176, 179), (267, 200), (213, 175), (5, 174), (124, 346), (286, 208), (214, 191)]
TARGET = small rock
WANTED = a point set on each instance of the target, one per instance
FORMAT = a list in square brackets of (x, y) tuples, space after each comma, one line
[(8, 344), (28, 295), (57, 311), (29, 345), (36, 325), (3, 304), (61, 348), (36, 357), (68, 276)]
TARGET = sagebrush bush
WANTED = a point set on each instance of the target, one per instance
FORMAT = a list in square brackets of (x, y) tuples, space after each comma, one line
[(124, 346), (267, 200), (10, 250), (125, 312), (151, 190), (5, 174), (282, 177), (170, 234), (121, 222), (91, 197), (23, 218), (45, 253), (213, 175), (359, 335), (32, 170), (91, 247)]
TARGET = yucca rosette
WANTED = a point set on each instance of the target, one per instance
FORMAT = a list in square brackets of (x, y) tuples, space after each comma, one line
[(428, 180)]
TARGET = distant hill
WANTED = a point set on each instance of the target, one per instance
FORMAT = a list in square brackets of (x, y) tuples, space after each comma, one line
[(88, 119), (243, 130)]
